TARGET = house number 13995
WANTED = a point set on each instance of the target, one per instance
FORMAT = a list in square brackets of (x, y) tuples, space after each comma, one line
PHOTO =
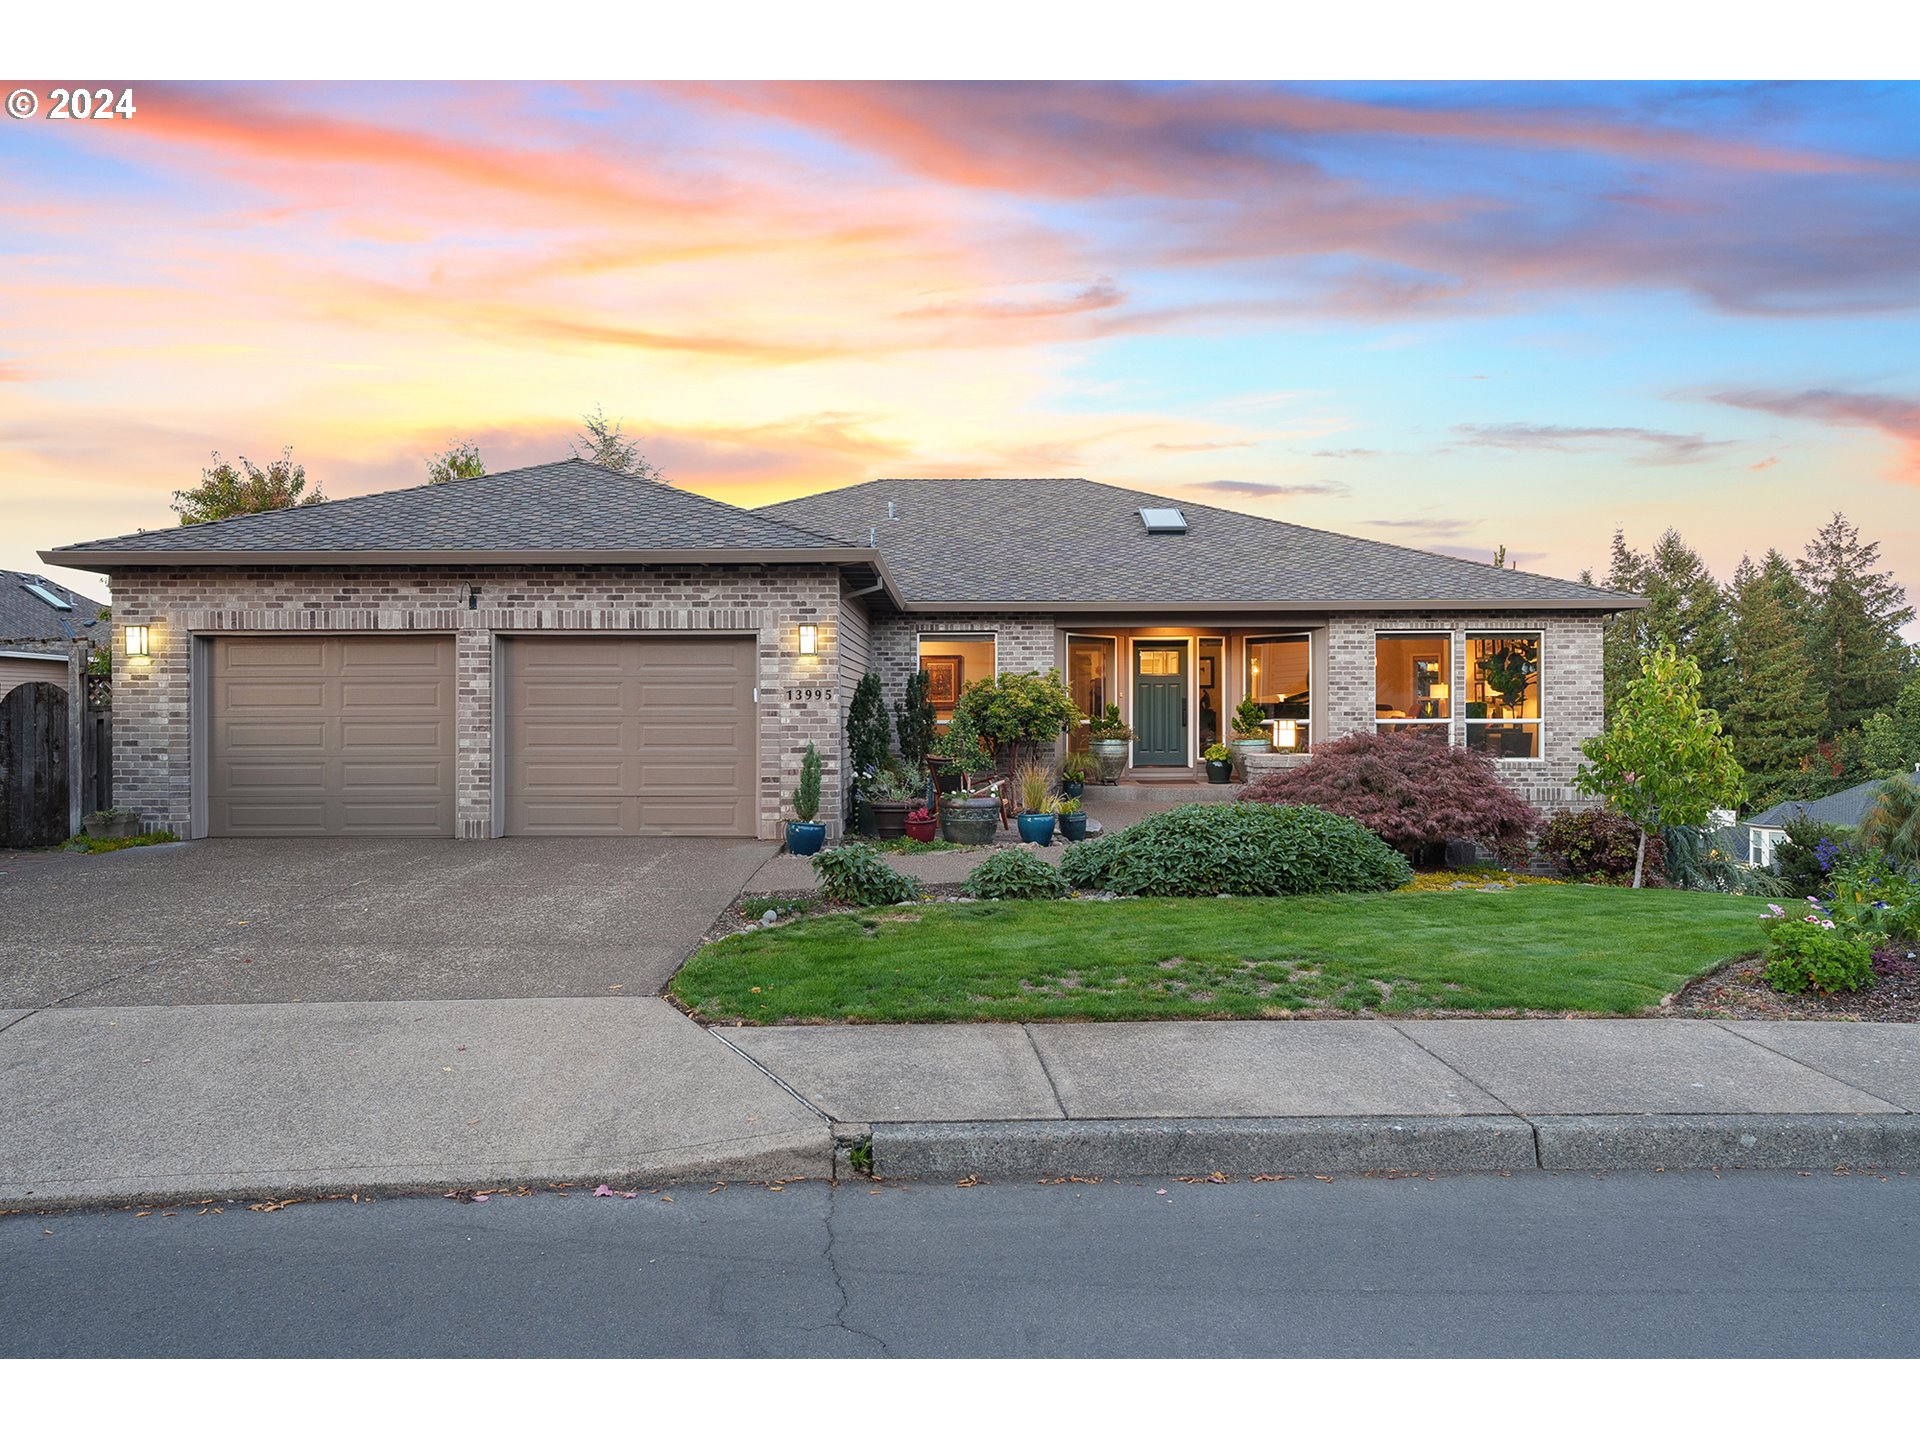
[(810, 694)]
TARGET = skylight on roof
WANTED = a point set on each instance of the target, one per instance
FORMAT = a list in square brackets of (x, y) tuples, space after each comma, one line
[(48, 596), (1163, 521)]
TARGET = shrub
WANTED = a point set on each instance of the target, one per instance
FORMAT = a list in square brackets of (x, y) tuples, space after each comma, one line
[(1085, 865), (1249, 720), (806, 795), (1011, 873), (1241, 849), (1892, 826), (1598, 846), (1810, 850), (1696, 860), (1017, 709), (855, 875), (915, 719), (1810, 951), (1868, 897), (1409, 791), (869, 733)]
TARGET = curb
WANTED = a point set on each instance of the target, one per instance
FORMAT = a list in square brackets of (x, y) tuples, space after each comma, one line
[(1021, 1149)]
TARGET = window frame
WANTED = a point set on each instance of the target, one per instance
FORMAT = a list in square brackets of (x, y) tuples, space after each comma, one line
[(1539, 636), (1247, 642), (1454, 651), (1114, 654)]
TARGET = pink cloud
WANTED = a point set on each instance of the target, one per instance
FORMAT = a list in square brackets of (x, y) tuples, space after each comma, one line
[(1891, 415)]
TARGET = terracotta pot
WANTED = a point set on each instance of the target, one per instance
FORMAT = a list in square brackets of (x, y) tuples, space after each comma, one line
[(922, 830)]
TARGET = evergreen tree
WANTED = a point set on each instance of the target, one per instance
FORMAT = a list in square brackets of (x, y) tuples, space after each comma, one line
[(1625, 634), (1855, 612), (1890, 740), (605, 444), (1685, 609), (1771, 713)]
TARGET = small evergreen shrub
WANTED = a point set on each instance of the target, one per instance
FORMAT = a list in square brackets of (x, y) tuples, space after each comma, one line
[(1085, 865), (1598, 846), (1015, 874), (855, 875), (1810, 850), (1810, 951), (1246, 849), (806, 795)]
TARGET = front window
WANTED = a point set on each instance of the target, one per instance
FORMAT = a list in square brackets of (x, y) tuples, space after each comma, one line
[(1503, 695), (1413, 684), (1279, 681), (1090, 668)]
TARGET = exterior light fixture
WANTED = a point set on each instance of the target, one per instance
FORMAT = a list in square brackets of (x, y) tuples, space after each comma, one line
[(1286, 734), (809, 639), (138, 643)]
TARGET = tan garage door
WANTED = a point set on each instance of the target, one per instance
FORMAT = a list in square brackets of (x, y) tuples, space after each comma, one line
[(331, 735), (630, 736)]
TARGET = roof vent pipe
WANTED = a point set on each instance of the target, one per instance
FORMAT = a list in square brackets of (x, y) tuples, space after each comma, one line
[(873, 536), (891, 513)]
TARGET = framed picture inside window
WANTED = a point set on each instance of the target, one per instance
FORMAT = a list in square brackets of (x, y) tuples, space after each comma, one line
[(943, 680), (1206, 672)]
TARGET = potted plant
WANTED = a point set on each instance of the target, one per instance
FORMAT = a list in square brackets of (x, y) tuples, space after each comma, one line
[(1250, 735), (969, 817), (112, 823), (805, 835), (1073, 819), (955, 754), (922, 824), (1219, 763), (890, 794), (1073, 775), (1108, 737), (1033, 787)]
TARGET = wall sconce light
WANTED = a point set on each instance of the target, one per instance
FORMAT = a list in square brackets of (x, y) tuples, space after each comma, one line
[(138, 643), (809, 639)]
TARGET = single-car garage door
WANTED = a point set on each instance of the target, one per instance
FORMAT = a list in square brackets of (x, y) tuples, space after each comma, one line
[(331, 735), (630, 736)]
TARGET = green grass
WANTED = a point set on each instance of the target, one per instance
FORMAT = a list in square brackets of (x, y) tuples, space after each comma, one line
[(1594, 949)]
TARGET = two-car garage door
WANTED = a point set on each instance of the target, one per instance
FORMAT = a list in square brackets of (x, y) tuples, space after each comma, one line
[(354, 735)]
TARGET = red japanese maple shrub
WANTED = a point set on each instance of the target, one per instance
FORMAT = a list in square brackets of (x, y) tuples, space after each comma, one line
[(1411, 791)]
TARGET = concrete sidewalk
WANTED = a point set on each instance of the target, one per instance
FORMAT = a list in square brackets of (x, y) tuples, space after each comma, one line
[(112, 1104), (1143, 1098)]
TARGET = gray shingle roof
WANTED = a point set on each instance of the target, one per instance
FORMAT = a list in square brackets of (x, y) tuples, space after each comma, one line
[(29, 624), (571, 506), (1844, 807), (1077, 543)]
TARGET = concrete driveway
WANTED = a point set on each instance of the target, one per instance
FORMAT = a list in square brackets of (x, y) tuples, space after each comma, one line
[(269, 921)]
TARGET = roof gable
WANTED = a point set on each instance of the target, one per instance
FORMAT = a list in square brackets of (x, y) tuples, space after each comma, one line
[(568, 508), (1074, 543), (1846, 807)]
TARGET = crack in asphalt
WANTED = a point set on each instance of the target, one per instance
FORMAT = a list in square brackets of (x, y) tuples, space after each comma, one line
[(839, 1321)]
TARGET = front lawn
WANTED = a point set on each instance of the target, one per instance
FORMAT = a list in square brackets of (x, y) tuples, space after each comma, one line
[(1554, 948)]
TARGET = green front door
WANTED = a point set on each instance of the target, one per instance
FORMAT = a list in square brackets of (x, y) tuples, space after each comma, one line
[(1160, 702)]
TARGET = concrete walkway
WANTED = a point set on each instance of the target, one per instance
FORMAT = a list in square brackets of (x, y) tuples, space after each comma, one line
[(1141, 1098), (111, 1103)]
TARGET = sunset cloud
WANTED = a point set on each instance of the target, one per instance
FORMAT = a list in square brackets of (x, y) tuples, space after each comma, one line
[(1653, 447), (1269, 487), (1892, 415)]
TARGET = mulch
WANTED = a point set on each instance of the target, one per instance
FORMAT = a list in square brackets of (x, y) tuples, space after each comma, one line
[(1736, 991)]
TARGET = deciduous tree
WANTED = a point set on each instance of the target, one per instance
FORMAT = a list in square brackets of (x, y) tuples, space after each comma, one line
[(606, 445), (459, 461), (226, 490)]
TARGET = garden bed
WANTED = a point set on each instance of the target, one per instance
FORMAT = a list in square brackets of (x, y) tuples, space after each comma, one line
[(1534, 949), (1736, 991)]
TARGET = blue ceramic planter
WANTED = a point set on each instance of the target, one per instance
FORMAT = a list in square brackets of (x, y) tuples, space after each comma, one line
[(1074, 826), (805, 837), (1036, 829)]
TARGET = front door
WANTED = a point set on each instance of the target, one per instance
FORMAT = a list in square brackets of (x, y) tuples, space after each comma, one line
[(1160, 702)]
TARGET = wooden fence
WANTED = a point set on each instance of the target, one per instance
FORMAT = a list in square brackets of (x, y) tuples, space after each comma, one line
[(56, 760)]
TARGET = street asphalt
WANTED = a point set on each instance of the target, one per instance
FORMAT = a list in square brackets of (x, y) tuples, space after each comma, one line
[(1769, 1265), (222, 922)]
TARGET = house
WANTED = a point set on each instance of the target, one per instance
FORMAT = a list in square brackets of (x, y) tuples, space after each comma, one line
[(562, 650), (1846, 808), (39, 621)]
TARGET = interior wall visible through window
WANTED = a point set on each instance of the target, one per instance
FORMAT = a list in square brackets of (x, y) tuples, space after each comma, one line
[(1280, 681), (1090, 676), (1413, 683), (952, 663)]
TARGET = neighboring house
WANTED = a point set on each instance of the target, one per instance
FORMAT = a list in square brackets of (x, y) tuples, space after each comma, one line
[(1847, 808), (562, 650), (39, 621)]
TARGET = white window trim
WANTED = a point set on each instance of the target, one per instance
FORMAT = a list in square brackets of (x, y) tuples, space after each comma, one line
[(1247, 642), (1540, 684)]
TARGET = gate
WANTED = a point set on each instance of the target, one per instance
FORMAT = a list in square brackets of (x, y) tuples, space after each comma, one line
[(33, 766)]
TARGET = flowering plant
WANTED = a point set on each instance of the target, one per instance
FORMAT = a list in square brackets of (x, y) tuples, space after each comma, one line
[(1807, 949), (919, 815)]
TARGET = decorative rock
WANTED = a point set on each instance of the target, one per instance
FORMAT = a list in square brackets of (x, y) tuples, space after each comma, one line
[(769, 917)]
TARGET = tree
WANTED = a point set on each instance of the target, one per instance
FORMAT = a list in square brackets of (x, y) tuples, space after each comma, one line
[(1772, 713), (915, 720), (1890, 739), (1624, 638), (1892, 826), (225, 491), (1662, 760), (603, 443), (1409, 790), (1685, 609), (1017, 710), (1853, 634), (459, 461), (869, 736)]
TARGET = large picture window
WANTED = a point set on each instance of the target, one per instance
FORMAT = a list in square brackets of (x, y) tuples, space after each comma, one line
[(1279, 681), (1503, 695), (1413, 684), (1090, 672)]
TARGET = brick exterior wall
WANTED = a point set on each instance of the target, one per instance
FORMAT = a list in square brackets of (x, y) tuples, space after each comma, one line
[(1570, 665), (153, 702), (1021, 642)]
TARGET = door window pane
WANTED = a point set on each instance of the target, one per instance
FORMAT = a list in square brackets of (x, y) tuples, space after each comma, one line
[(1212, 689)]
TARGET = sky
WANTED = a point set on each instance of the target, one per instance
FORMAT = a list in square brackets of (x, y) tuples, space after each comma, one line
[(1454, 316)]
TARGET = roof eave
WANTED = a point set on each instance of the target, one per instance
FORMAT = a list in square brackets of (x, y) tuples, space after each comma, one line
[(1189, 607)]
